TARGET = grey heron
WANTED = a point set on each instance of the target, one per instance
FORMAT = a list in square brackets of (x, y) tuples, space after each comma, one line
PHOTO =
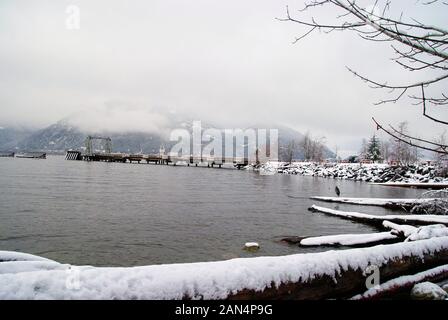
[(338, 192)]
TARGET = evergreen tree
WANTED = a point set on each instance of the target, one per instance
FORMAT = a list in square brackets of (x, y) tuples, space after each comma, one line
[(374, 149)]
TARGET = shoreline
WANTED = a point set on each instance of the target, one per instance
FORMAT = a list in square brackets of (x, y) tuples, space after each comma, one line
[(421, 175)]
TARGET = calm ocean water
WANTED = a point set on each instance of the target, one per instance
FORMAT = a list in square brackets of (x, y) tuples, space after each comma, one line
[(115, 214)]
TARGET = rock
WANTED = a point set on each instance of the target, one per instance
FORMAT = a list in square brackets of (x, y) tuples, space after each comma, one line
[(251, 246), (428, 291), (370, 173), (445, 287)]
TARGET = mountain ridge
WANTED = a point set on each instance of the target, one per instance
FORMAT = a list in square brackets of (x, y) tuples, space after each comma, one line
[(62, 136)]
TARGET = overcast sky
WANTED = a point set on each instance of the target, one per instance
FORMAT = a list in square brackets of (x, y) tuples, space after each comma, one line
[(133, 63)]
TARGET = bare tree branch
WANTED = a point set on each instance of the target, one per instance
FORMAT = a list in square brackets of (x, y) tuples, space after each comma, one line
[(409, 142), (417, 46)]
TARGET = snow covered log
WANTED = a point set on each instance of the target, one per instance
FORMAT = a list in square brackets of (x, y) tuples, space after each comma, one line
[(411, 233), (417, 185), (406, 204), (19, 256), (331, 274), (28, 266), (18, 262), (403, 284), (398, 233), (428, 232), (377, 220), (428, 291), (365, 239), (402, 230)]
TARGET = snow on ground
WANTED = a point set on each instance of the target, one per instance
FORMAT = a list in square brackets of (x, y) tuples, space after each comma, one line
[(208, 280), (401, 281), (374, 172), (347, 239), (429, 218)]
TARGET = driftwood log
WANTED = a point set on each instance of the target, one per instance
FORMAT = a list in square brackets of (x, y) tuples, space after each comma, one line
[(325, 275), (295, 240), (347, 283), (416, 185), (292, 239), (394, 204), (402, 286), (377, 220)]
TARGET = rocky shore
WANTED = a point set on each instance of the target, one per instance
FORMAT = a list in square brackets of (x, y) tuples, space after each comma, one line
[(378, 173)]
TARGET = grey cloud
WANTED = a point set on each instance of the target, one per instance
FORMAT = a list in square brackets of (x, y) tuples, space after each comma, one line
[(227, 62)]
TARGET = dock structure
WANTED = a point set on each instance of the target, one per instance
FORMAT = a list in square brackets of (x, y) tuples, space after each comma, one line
[(73, 155), (106, 140), (165, 159), (160, 158)]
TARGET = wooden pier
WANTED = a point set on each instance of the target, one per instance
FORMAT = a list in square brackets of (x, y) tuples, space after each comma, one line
[(238, 162), (160, 158)]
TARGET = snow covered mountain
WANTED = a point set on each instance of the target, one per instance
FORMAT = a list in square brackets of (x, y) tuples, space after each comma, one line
[(10, 137), (62, 135), (57, 137)]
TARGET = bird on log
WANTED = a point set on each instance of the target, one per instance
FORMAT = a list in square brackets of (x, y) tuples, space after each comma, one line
[(338, 192)]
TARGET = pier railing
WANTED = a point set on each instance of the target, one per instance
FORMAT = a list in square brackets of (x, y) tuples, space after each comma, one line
[(158, 158)]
